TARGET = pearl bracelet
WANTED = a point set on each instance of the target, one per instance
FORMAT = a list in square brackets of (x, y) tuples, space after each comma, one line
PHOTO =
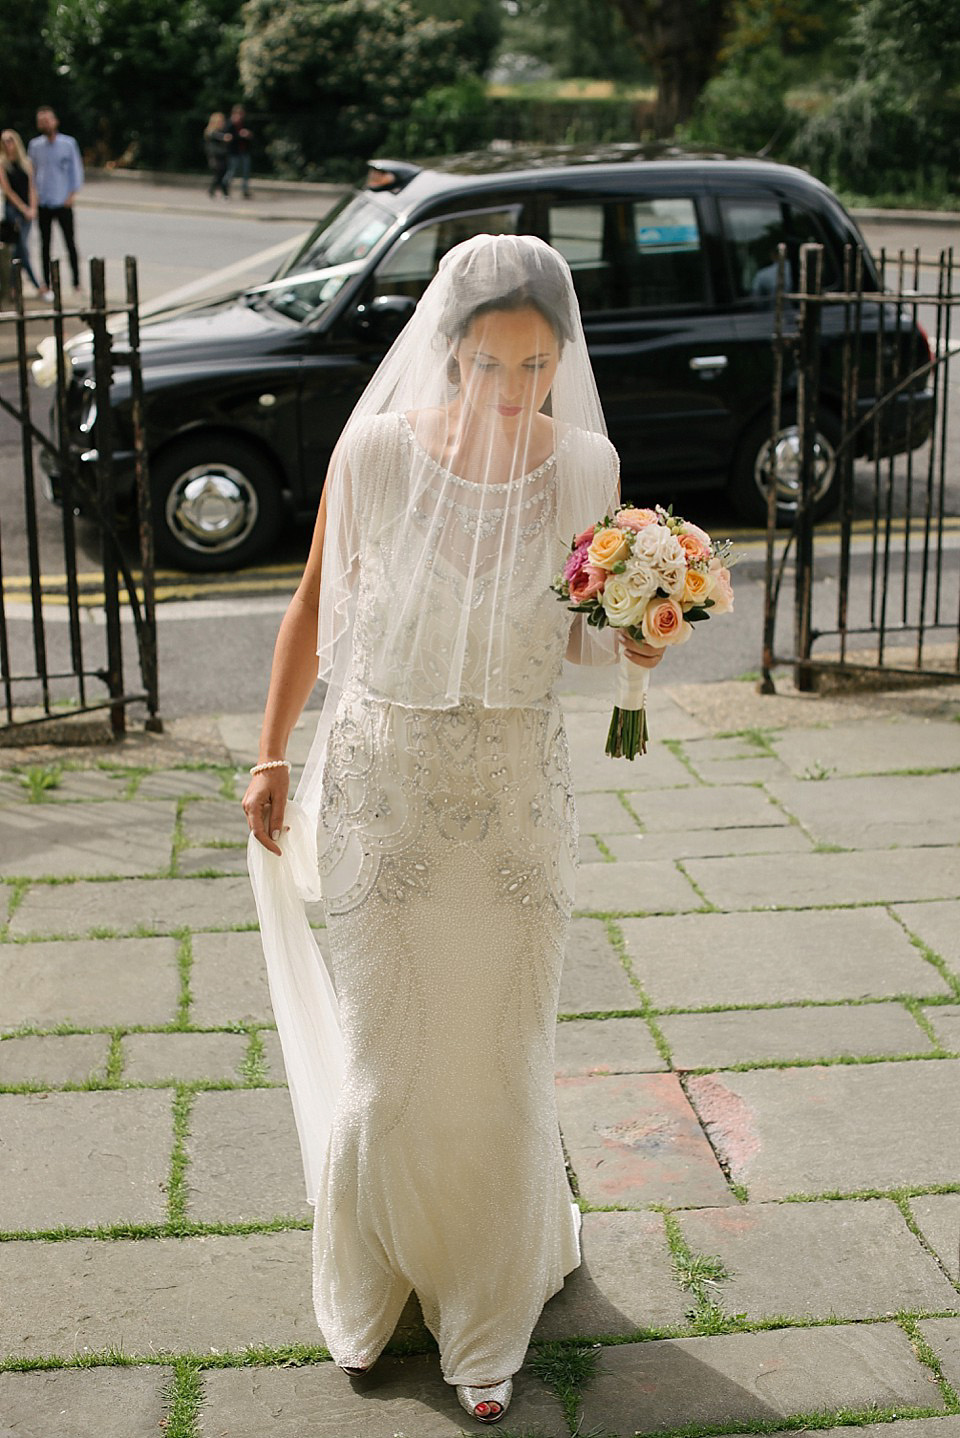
[(270, 764)]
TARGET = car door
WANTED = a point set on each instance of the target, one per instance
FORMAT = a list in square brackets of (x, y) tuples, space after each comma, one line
[(657, 339), (344, 357)]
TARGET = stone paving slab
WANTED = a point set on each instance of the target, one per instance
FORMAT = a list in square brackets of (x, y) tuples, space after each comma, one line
[(199, 860), (83, 1402), (228, 979), (938, 1216), (838, 1127), (625, 1281), (178, 783), (244, 1157), (738, 807), (833, 1269), (877, 877), (947, 1426), (89, 982), (150, 1058), (649, 887), (945, 1021), (937, 926), (658, 769), (604, 1046), (877, 812), (808, 1032), (710, 843), (161, 905), (115, 837), (402, 1396), (80, 1159), (176, 1295), (880, 746), (593, 978), (83, 784), (54, 1059), (604, 814), (698, 959), (752, 768), (943, 1335), (207, 819), (755, 1377), (634, 1139)]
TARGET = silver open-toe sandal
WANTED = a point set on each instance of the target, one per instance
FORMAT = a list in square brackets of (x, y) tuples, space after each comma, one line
[(487, 1402)]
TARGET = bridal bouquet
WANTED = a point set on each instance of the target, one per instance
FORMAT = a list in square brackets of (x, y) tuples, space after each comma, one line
[(654, 575)]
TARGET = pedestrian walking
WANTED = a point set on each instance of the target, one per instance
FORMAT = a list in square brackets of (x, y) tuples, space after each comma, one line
[(216, 144), (241, 139), (19, 200), (58, 174), (435, 818)]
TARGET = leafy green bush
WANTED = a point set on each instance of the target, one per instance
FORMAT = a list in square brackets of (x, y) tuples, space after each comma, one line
[(743, 107), (443, 121)]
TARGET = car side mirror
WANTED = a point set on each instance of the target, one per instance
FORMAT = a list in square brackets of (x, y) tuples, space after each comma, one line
[(383, 318)]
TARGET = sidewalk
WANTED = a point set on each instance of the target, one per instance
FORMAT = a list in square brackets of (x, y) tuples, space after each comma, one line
[(758, 1079)]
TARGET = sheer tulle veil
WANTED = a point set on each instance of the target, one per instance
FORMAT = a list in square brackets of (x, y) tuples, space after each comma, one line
[(487, 406)]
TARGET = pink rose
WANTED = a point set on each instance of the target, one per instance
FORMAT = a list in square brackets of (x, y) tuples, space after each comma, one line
[(698, 533), (587, 583), (576, 561), (636, 518), (663, 623), (585, 537), (722, 592)]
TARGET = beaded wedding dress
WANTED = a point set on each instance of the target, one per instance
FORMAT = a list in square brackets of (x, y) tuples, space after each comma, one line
[(435, 818), (448, 843)]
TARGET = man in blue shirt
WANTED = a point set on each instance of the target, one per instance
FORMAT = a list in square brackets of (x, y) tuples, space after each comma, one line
[(58, 172)]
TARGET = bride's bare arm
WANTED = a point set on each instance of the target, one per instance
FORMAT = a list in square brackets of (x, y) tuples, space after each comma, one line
[(292, 677)]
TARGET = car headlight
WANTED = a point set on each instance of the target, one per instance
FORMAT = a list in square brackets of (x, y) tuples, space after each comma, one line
[(44, 369)]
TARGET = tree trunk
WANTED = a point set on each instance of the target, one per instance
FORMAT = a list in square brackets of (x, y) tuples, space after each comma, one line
[(680, 40)]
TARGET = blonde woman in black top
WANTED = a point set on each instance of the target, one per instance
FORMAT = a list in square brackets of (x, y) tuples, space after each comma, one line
[(19, 200)]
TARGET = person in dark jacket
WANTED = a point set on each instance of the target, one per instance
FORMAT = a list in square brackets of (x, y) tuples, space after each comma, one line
[(238, 162), (216, 143)]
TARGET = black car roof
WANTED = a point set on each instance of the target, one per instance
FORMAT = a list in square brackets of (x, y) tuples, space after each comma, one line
[(529, 167)]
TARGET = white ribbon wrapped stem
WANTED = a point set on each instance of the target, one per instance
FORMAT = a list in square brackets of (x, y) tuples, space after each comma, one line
[(632, 681)]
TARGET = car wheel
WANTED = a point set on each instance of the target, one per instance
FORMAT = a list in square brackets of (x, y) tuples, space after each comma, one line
[(749, 477), (216, 504)]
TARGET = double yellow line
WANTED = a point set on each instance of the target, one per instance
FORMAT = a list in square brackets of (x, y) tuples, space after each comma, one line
[(169, 584)]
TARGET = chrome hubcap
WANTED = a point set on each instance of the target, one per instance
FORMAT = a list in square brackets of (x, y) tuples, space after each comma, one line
[(211, 507), (788, 466)]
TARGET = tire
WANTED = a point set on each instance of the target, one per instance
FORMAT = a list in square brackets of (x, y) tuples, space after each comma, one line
[(216, 503), (746, 487)]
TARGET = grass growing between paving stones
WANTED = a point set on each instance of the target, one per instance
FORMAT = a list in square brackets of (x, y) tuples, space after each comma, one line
[(254, 1065), (177, 1186), (182, 1398), (566, 1368), (696, 1273), (619, 946)]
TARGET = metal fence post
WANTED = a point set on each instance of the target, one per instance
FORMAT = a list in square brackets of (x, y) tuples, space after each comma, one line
[(808, 389)]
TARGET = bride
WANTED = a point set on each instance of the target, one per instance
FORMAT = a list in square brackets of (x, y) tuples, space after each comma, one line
[(435, 817)]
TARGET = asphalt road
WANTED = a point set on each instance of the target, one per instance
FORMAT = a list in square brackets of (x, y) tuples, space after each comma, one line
[(216, 634)]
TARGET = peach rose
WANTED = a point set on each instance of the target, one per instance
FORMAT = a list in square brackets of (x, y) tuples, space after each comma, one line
[(587, 583), (636, 518), (722, 595), (663, 623), (608, 548), (697, 586), (693, 547), (585, 537)]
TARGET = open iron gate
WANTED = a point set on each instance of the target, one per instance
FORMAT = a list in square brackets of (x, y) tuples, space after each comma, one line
[(50, 674), (869, 384)]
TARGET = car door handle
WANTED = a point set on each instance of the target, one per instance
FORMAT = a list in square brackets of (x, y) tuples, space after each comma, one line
[(701, 362)]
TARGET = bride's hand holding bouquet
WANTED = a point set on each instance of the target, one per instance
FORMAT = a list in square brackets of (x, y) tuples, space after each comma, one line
[(651, 575)]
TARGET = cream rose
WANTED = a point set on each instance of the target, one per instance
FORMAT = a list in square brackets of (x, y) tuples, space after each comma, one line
[(622, 607), (663, 623), (636, 518), (722, 595), (607, 548)]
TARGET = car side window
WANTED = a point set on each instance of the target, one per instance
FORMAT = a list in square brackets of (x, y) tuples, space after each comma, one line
[(754, 227), (412, 262), (632, 254)]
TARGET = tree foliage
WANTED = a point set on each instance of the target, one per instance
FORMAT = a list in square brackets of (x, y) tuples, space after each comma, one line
[(480, 27)]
